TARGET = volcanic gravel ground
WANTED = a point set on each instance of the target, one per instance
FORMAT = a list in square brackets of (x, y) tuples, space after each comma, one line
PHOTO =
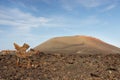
[(61, 67)]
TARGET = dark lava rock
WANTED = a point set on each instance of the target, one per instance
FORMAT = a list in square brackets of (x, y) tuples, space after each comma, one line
[(61, 67)]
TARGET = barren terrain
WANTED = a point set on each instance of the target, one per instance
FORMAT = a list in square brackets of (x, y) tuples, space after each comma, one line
[(62, 67), (64, 58)]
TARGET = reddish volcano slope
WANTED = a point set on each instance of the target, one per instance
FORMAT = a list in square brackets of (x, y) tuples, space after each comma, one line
[(76, 44)]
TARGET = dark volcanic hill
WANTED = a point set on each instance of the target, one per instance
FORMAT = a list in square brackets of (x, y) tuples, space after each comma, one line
[(76, 44)]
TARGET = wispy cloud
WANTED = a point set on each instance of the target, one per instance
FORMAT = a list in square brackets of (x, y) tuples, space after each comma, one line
[(26, 4), (20, 19), (72, 4), (108, 8), (20, 25)]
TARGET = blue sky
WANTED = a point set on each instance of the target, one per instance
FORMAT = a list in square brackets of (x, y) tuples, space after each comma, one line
[(35, 21)]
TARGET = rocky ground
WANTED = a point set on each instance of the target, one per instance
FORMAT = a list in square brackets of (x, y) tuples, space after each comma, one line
[(61, 67)]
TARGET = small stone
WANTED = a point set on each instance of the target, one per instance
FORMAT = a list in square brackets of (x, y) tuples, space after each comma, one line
[(110, 72)]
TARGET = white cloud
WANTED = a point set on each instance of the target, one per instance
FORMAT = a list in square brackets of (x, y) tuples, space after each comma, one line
[(72, 4), (26, 4), (20, 19), (110, 7)]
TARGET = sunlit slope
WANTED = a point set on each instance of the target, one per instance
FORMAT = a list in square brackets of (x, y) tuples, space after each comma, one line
[(76, 44)]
